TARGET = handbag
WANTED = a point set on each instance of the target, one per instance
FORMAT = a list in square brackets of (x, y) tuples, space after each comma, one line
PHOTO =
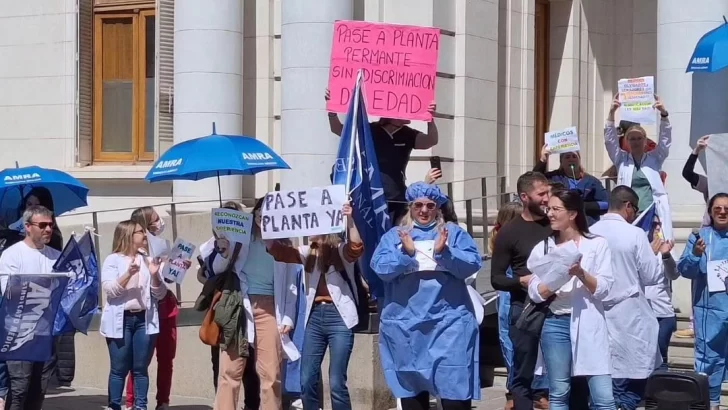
[(534, 314), (209, 330)]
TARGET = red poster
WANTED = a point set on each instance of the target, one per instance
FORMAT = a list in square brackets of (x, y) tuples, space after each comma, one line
[(399, 65)]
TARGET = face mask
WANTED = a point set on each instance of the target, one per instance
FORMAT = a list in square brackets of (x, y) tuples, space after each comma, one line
[(160, 227), (429, 225)]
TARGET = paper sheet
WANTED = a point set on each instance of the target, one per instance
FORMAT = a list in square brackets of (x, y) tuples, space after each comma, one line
[(425, 255), (717, 274), (158, 247), (207, 248), (175, 270), (289, 348), (716, 161), (553, 268)]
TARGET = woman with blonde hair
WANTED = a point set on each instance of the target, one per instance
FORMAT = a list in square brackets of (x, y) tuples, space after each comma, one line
[(130, 321), (428, 329), (331, 309)]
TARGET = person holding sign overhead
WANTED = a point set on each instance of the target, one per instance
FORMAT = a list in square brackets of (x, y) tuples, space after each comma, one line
[(331, 309), (640, 169), (705, 262), (428, 330), (572, 176), (394, 141), (130, 320)]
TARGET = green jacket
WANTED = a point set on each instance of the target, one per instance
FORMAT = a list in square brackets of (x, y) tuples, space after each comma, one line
[(230, 316)]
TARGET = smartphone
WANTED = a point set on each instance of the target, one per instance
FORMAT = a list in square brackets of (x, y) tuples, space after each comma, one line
[(435, 163)]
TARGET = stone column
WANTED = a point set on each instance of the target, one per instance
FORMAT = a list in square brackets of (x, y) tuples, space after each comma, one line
[(208, 82), (695, 101), (307, 144)]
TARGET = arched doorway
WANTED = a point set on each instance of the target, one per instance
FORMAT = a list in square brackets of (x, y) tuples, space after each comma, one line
[(541, 99)]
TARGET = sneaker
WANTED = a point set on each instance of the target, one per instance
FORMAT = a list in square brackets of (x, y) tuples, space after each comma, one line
[(684, 334), (297, 405)]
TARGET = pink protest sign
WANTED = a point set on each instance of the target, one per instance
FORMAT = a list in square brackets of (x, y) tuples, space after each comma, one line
[(399, 65)]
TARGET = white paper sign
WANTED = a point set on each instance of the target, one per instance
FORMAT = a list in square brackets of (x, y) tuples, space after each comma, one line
[(717, 273), (716, 161), (637, 96), (235, 226), (566, 140), (174, 269), (553, 268), (314, 211), (158, 247), (425, 255)]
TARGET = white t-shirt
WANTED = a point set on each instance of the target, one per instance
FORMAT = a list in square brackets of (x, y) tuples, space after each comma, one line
[(21, 259)]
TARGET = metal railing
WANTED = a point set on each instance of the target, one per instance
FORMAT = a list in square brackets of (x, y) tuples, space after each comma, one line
[(470, 221)]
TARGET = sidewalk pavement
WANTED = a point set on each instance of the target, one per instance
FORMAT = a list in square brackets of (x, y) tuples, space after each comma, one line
[(80, 398)]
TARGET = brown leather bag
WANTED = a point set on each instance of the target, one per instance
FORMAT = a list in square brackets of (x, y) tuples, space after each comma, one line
[(209, 330)]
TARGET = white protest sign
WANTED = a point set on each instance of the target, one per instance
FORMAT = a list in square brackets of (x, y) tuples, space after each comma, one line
[(235, 226), (565, 140), (637, 96), (716, 161), (174, 269), (158, 247), (314, 211)]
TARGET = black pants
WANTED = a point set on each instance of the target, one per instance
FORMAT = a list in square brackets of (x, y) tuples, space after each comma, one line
[(66, 358), (422, 402), (28, 384), (251, 382), (525, 356)]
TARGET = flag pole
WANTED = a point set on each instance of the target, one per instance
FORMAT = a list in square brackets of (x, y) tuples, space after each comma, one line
[(354, 131)]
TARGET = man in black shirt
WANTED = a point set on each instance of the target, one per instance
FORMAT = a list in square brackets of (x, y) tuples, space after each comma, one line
[(512, 248), (393, 143)]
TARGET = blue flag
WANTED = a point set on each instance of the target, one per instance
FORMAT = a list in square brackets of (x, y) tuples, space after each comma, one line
[(357, 166), (30, 305), (81, 297)]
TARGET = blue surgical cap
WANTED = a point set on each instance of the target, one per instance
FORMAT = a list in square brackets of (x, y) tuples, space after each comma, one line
[(423, 190)]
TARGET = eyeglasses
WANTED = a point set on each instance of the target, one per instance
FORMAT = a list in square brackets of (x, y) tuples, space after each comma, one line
[(634, 207), (429, 205), (43, 225), (720, 209), (555, 209)]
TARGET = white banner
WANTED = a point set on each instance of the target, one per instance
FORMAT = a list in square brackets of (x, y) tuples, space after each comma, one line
[(235, 226), (174, 269), (566, 140), (716, 161), (293, 214), (637, 96)]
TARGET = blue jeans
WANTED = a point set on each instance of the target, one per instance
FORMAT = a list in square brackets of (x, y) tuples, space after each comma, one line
[(132, 353), (668, 325), (628, 393), (325, 328), (4, 380), (556, 348), (540, 382)]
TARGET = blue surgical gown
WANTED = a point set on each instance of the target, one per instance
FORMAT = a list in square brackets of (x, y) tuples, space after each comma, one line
[(710, 309), (428, 334)]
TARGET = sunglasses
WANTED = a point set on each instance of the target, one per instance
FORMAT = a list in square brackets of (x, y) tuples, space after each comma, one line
[(430, 205), (717, 209), (634, 207), (43, 225)]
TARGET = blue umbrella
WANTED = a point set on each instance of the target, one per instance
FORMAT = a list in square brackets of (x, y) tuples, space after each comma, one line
[(711, 52), (214, 156), (68, 193)]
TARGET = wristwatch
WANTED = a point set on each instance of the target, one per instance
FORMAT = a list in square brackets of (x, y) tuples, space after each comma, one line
[(332, 114), (664, 115)]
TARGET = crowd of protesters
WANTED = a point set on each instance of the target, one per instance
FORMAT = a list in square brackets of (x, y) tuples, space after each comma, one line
[(592, 341)]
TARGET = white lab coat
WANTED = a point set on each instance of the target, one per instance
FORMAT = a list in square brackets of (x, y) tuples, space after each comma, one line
[(651, 165), (589, 335), (633, 327)]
